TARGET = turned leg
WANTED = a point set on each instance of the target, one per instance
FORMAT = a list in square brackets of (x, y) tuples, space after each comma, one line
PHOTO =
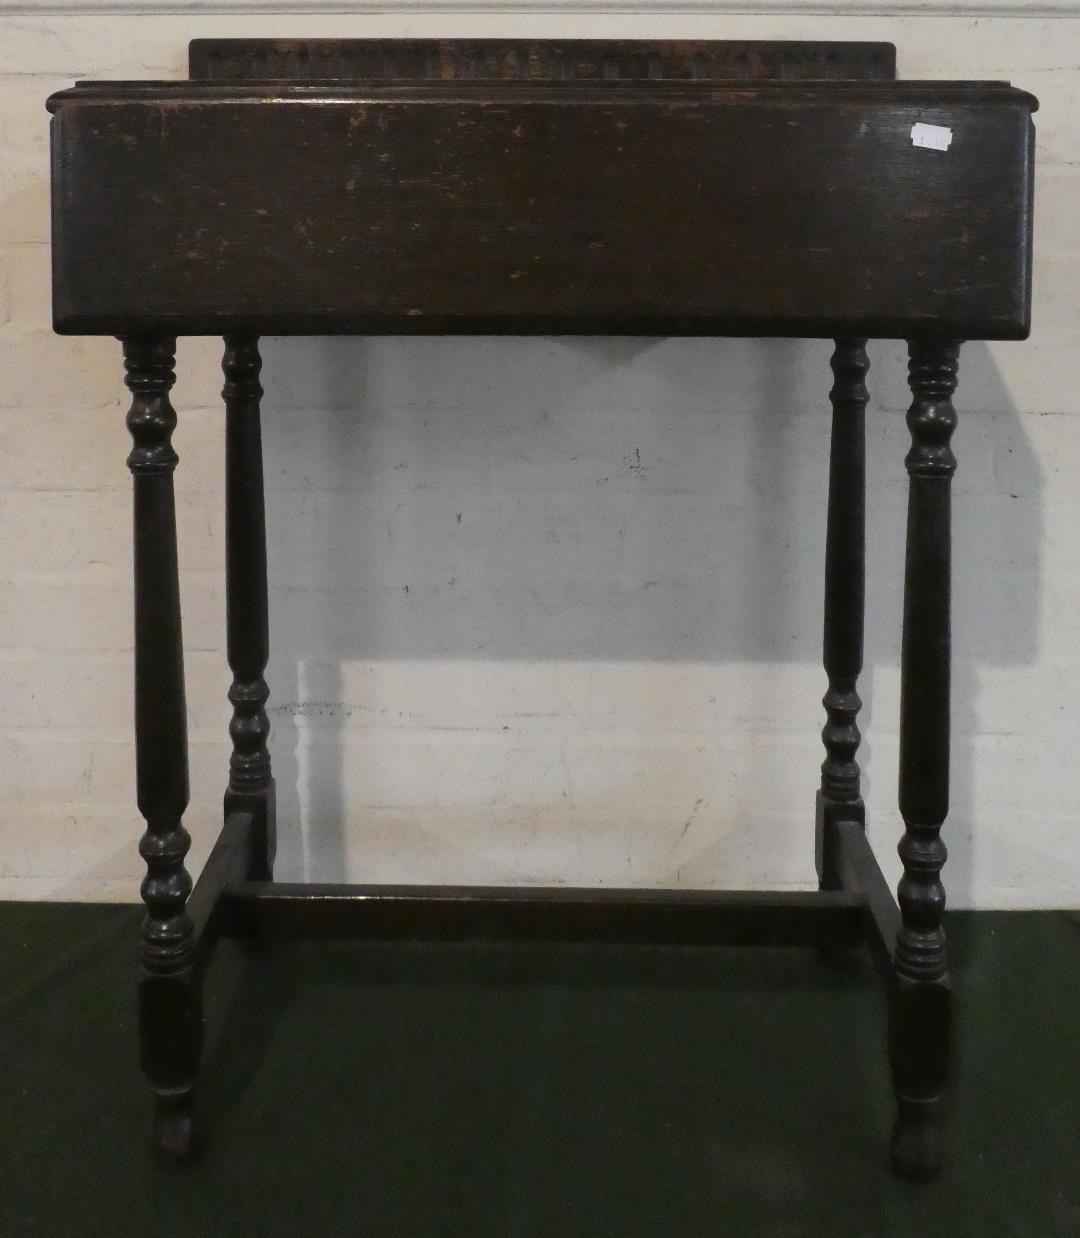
[(919, 1031), (840, 798), (170, 1010), (251, 786)]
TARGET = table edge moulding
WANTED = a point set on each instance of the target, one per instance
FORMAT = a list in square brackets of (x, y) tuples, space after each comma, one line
[(487, 186)]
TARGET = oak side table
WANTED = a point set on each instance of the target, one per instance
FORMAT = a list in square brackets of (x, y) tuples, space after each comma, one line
[(511, 187)]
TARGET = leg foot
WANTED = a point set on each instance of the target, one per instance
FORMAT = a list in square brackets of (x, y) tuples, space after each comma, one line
[(174, 1126), (916, 1139), (170, 1030)]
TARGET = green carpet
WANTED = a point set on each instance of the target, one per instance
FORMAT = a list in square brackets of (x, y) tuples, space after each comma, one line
[(534, 1092)]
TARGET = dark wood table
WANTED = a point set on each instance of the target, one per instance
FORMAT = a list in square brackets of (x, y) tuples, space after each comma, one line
[(512, 187)]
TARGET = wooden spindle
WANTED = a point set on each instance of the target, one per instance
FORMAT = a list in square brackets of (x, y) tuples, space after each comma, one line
[(919, 1033), (169, 1003), (251, 785), (839, 798)]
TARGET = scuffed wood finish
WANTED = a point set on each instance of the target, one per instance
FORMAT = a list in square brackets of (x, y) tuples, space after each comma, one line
[(170, 1013), (537, 59), (919, 1038), (796, 209), (840, 797), (251, 786)]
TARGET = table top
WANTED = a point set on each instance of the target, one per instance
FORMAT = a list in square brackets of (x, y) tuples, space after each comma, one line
[(462, 202)]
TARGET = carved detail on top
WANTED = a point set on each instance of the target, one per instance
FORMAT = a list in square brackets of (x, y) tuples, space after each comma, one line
[(850, 366), (151, 420), (241, 363), (932, 372), (538, 59)]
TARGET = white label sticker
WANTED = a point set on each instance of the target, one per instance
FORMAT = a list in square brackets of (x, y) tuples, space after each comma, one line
[(933, 137)]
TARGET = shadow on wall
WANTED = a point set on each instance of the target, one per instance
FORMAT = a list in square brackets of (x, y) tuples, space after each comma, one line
[(605, 500)]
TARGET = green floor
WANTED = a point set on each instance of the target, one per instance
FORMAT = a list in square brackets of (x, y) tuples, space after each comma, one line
[(510, 1091)]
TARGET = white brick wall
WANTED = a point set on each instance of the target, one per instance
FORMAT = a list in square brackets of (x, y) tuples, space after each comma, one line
[(542, 610)]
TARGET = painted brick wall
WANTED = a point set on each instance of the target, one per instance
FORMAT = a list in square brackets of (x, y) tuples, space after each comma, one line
[(542, 610)]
